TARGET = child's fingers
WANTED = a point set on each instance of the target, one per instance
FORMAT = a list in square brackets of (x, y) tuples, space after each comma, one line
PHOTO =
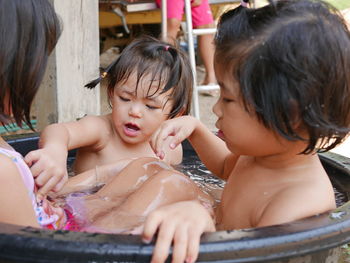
[(193, 245), (39, 164), (164, 133), (180, 244), (151, 225), (178, 139), (159, 140), (37, 168), (40, 197), (177, 136), (31, 158), (47, 186), (41, 179), (163, 243), (60, 184), (153, 141), (47, 174)]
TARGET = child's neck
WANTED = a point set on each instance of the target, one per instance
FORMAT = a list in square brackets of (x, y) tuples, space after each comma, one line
[(288, 157)]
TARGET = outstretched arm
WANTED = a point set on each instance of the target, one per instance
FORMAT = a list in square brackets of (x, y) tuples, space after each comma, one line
[(210, 148), (92, 178), (48, 164)]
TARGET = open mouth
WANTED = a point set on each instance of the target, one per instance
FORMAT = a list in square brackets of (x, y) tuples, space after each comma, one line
[(131, 129), (131, 126), (220, 134)]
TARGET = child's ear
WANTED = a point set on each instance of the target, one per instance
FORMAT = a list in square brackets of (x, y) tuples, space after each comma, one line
[(110, 94)]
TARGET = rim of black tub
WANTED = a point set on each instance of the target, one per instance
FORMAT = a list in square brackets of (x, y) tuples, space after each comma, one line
[(302, 237)]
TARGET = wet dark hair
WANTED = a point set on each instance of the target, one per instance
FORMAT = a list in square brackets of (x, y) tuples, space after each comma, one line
[(29, 31), (167, 65), (292, 61)]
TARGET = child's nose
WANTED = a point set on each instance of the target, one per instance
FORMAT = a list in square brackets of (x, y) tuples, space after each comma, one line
[(135, 111), (216, 108)]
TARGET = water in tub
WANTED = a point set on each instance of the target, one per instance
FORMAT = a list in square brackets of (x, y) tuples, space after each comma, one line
[(86, 206), (93, 212)]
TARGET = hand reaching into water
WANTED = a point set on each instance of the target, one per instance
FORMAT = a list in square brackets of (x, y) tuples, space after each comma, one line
[(182, 224), (179, 128), (49, 169)]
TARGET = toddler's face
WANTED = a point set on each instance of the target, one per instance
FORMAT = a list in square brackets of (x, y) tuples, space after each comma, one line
[(138, 113), (243, 133)]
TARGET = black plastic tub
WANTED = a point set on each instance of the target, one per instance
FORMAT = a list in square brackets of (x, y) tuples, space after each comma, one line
[(316, 239)]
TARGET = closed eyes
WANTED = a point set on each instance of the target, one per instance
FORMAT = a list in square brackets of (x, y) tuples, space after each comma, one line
[(227, 100), (152, 107), (123, 98)]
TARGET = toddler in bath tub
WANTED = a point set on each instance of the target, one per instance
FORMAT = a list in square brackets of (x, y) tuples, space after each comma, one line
[(284, 76), (150, 82), (21, 74)]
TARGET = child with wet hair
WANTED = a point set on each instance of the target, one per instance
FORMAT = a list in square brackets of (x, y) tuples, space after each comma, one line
[(29, 32), (284, 76), (150, 82)]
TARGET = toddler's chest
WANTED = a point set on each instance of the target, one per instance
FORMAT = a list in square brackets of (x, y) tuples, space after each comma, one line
[(122, 151), (112, 152), (235, 208)]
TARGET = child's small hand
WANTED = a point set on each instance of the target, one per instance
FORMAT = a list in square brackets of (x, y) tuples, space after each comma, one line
[(179, 128), (48, 169), (182, 224)]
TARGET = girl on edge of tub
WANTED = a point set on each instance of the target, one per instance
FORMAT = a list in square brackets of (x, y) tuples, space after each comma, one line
[(150, 82), (29, 32), (284, 76)]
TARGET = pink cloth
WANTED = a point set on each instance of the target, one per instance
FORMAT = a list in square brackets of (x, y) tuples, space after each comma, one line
[(45, 220), (201, 15)]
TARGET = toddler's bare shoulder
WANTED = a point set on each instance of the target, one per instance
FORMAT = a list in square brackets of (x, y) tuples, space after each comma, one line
[(100, 122), (8, 169)]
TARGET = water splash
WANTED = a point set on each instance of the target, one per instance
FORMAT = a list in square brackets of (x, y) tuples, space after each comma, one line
[(337, 215)]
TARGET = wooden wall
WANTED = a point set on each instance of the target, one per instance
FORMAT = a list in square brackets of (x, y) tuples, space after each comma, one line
[(75, 61)]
